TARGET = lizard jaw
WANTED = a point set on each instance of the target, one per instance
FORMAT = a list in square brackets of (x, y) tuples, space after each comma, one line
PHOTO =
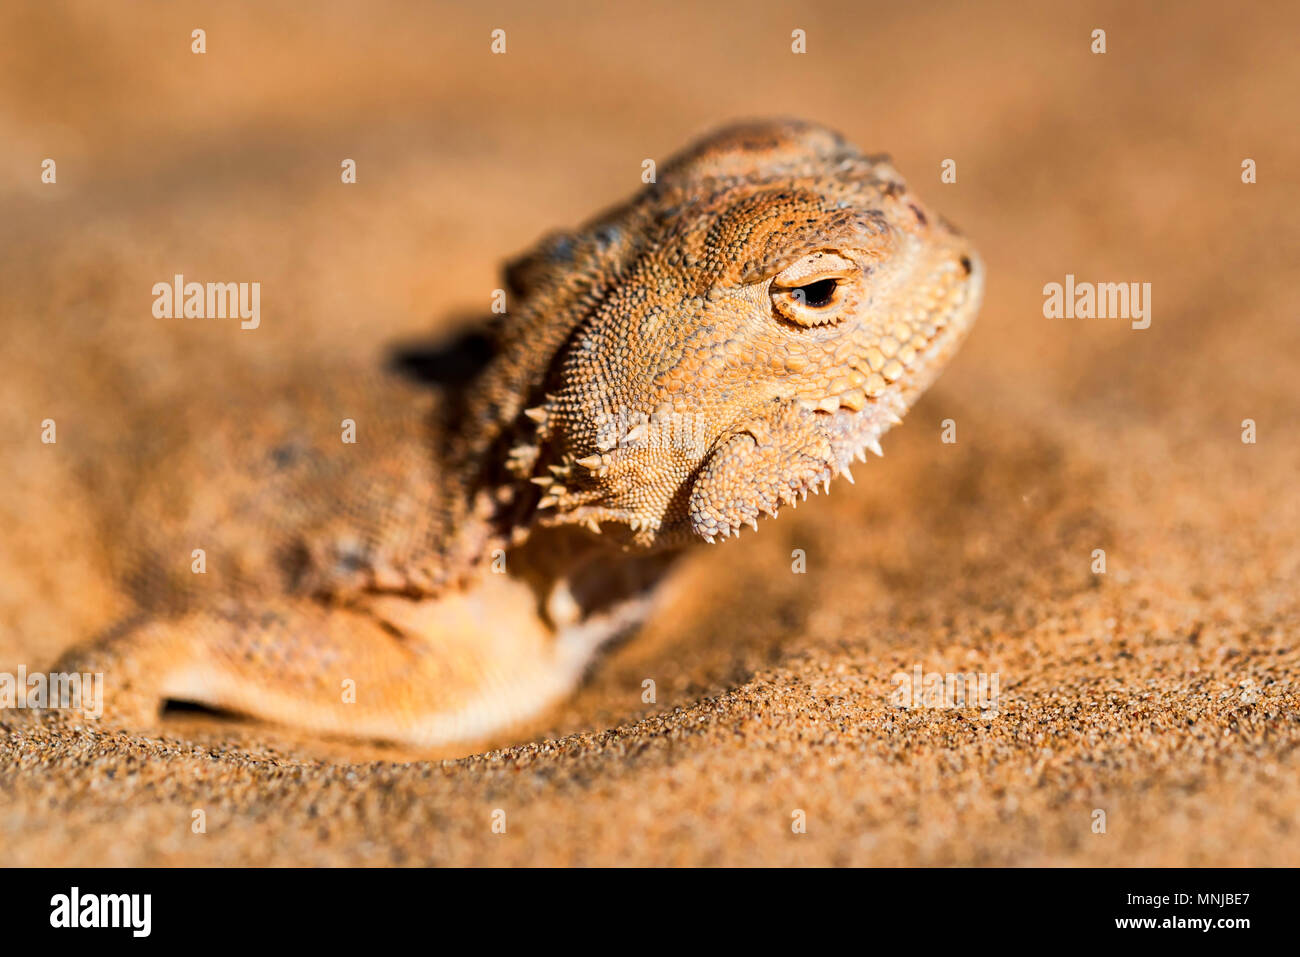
[(770, 464)]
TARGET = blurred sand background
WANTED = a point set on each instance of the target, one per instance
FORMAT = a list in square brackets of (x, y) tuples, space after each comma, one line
[(1163, 692)]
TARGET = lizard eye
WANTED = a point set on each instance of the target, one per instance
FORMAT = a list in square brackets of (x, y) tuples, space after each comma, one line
[(814, 290)]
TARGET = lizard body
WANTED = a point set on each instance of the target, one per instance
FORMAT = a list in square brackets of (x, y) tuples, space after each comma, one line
[(676, 369)]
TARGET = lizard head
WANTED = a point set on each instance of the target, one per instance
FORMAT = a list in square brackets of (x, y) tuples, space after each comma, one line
[(756, 320)]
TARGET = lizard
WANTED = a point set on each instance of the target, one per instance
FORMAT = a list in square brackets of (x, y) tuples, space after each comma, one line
[(677, 369)]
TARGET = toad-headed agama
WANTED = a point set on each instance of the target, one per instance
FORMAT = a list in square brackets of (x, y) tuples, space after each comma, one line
[(678, 369)]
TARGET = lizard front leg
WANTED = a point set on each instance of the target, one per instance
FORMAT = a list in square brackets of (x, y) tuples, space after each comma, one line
[(421, 672)]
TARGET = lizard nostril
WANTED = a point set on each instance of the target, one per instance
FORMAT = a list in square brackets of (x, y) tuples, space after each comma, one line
[(966, 264)]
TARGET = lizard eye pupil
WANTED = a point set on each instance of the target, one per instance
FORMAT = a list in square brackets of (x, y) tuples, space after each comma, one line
[(817, 294)]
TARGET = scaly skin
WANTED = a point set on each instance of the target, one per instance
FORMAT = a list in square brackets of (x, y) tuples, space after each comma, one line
[(673, 371)]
